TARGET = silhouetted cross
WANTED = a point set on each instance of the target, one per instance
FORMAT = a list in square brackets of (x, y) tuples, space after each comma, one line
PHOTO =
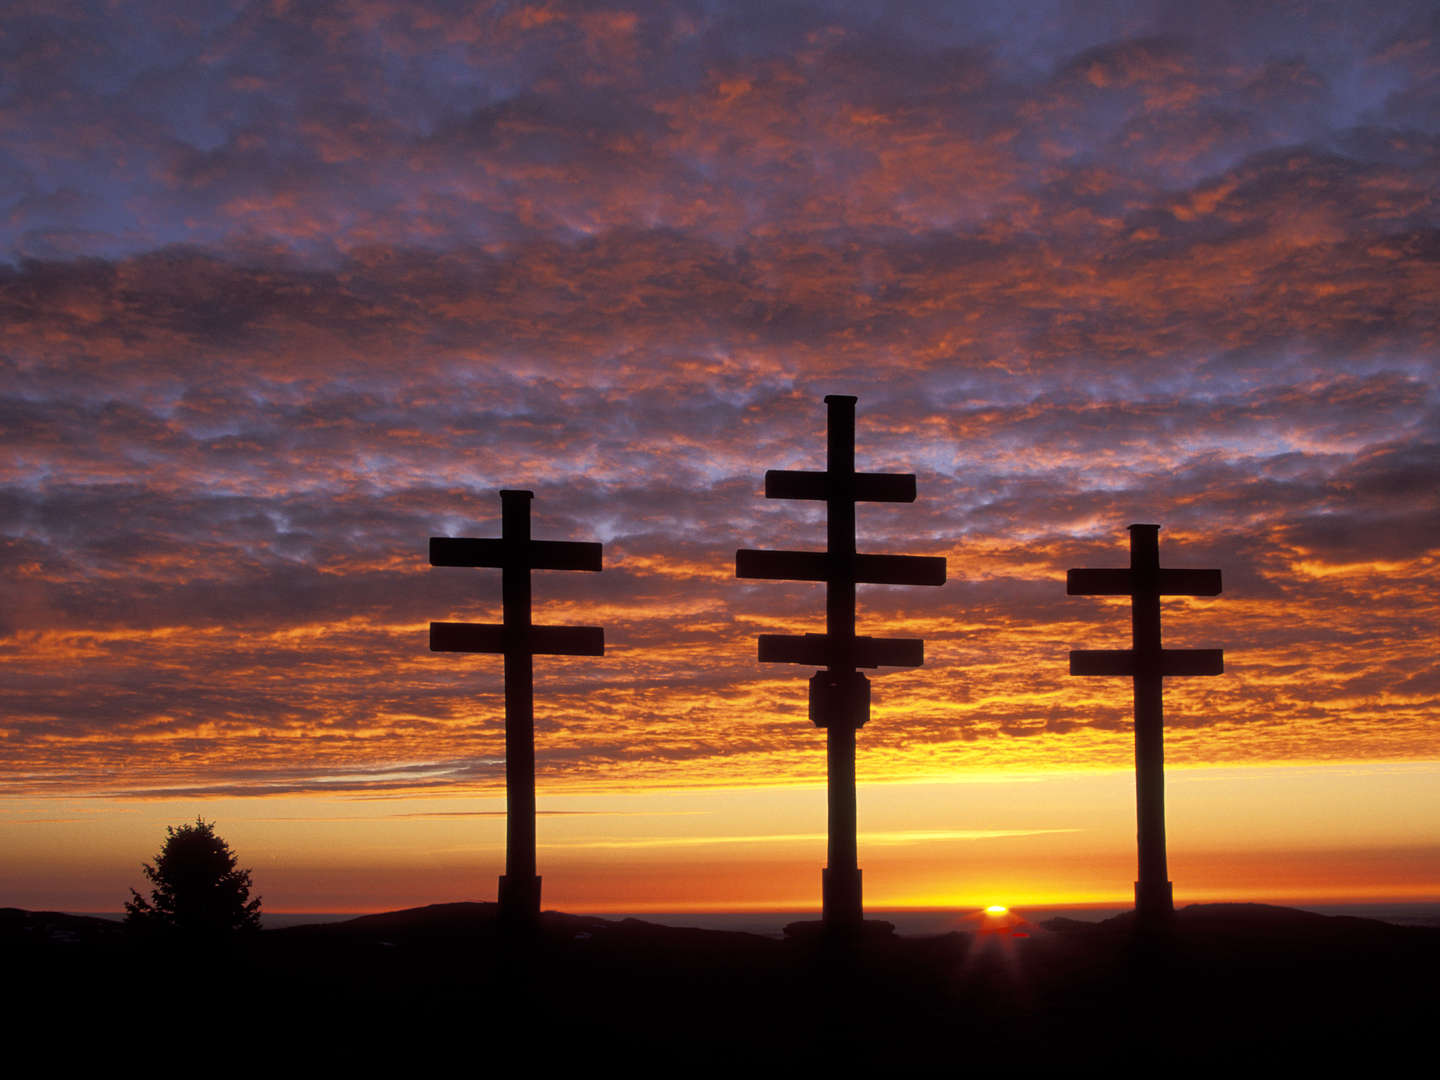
[(1147, 663), (839, 695), (520, 640)]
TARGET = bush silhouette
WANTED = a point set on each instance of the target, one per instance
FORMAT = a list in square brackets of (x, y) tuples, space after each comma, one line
[(198, 894)]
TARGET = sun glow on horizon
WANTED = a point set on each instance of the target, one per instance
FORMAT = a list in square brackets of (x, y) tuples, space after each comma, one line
[(1263, 834)]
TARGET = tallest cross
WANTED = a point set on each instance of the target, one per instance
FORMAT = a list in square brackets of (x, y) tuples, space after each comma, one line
[(840, 695)]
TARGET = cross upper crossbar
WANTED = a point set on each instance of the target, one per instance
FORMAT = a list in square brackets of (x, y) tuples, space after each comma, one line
[(1124, 582), (820, 486), (531, 554)]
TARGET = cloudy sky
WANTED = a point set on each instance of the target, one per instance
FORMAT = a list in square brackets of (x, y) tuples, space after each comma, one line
[(288, 288)]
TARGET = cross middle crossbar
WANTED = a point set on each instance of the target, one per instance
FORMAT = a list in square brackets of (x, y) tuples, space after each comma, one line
[(816, 650), (534, 640), (826, 566), (1125, 662)]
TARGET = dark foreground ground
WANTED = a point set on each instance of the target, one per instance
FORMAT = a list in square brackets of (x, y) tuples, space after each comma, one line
[(1236, 984)]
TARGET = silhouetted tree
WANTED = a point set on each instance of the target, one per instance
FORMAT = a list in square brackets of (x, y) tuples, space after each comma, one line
[(198, 894)]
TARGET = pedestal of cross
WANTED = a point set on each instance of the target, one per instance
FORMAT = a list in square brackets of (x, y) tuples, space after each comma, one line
[(840, 695), (1147, 663), (516, 554)]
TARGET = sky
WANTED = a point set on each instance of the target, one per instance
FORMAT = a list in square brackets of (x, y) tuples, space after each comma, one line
[(288, 288)]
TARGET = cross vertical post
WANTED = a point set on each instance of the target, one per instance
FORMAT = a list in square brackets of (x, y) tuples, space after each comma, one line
[(520, 880), (1147, 663), (840, 889), (516, 554), (1153, 889), (840, 695)]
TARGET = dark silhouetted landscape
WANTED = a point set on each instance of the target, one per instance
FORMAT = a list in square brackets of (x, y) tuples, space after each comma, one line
[(1247, 984)]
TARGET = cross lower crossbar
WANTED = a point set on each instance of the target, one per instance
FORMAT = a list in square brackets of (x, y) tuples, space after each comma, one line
[(539, 641), (868, 486), (1122, 582), (537, 554), (814, 650), (818, 566), (1123, 662)]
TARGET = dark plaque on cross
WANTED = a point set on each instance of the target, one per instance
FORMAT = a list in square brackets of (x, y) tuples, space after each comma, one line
[(1147, 664), (840, 695), (519, 640)]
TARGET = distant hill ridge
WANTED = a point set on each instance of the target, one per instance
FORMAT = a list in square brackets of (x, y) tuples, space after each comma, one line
[(461, 920)]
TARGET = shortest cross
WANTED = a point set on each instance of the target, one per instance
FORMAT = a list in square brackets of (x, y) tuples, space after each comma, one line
[(1147, 663), (519, 640)]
